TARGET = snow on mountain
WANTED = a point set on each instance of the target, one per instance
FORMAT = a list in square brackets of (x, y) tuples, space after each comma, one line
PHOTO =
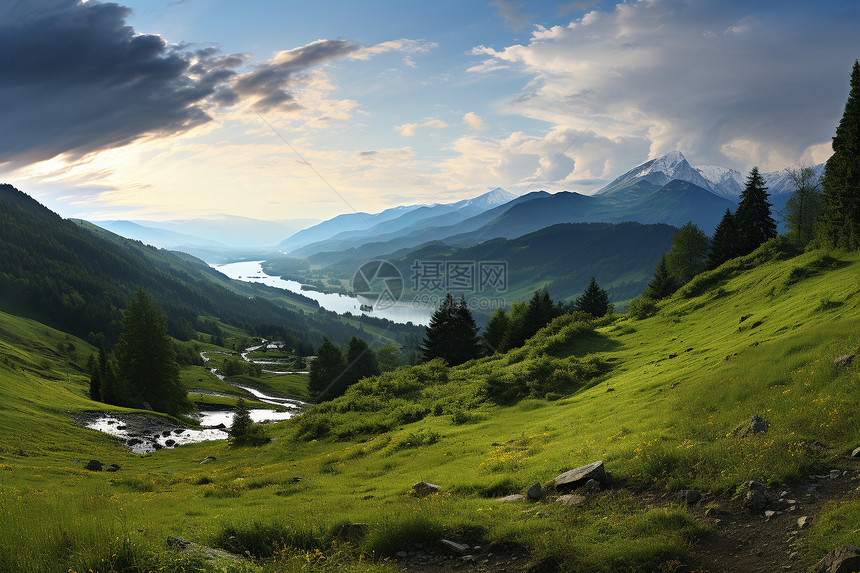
[(723, 181), (780, 181), (497, 196), (661, 171)]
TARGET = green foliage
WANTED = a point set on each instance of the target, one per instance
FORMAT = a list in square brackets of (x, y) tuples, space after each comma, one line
[(495, 331), (360, 360), (452, 334), (688, 256), (389, 358), (663, 284), (241, 420), (327, 373), (724, 244), (803, 207), (147, 370), (752, 220), (642, 307), (593, 300), (840, 217)]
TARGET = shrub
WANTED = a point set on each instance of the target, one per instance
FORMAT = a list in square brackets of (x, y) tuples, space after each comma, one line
[(642, 307)]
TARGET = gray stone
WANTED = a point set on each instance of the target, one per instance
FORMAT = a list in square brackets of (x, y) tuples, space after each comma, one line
[(575, 478), (756, 425), (755, 500), (208, 460), (835, 474), (94, 466), (802, 522), (423, 489), (534, 492), (591, 486), (690, 496), (208, 553), (570, 499), (460, 548), (856, 453), (844, 360), (842, 560), (514, 497)]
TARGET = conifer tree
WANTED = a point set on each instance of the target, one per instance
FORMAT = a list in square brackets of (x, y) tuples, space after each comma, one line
[(361, 361), (688, 256), (495, 331), (540, 312), (752, 219), (593, 300), (724, 242), (452, 333), (663, 284), (327, 373), (146, 361), (840, 218), (241, 420)]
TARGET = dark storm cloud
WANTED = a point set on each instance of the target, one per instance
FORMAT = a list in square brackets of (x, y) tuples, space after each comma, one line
[(74, 79)]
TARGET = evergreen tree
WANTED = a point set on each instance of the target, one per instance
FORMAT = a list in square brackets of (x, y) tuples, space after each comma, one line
[(361, 361), (241, 420), (840, 218), (804, 205), (518, 330), (452, 334), (663, 284), (593, 300), (689, 253), (327, 373), (494, 332), (752, 219), (541, 311), (724, 245), (147, 367)]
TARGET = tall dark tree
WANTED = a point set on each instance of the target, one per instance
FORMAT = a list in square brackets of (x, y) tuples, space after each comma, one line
[(147, 367), (804, 205), (452, 334), (360, 360), (663, 284), (724, 245), (241, 420), (518, 327), (541, 311), (593, 300), (327, 378), (494, 332), (753, 219), (840, 217), (689, 253)]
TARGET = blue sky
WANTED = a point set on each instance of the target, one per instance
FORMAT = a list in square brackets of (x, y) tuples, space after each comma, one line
[(156, 109)]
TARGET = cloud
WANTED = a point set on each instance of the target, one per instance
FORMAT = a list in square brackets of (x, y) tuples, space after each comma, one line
[(510, 12), (409, 129), (712, 79), (78, 80), (474, 121)]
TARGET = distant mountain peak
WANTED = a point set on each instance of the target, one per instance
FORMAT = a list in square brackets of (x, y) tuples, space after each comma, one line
[(659, 172), (497, 196)]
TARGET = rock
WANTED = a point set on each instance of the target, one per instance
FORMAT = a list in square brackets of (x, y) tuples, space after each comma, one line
[(515, 497), (121, 427), (460, 548), (673, 386), (165, 434), (534, 492), (208, 460), (113, 468), (570, 499), (170, 443), (402, 554), (802, 522), (730, 356), (756, 425), (575, 478), (208, 553), (755, 500), (94, 466), (770, 513), (744, 317), (591, 486), (835, 474), (134, 441), (856, 453), (423, 489), (842, 560), (845, 360), (178, 431), (690, 496)]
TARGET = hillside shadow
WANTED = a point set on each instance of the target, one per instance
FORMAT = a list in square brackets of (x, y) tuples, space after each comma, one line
[(590, 344)]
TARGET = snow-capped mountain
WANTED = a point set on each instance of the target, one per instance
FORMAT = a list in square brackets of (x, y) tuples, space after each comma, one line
[(721, 181), (497, 196)]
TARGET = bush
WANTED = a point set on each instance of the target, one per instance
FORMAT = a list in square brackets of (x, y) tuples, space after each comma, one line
[(642, 307)]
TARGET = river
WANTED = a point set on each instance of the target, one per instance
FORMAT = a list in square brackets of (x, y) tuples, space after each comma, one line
[(252, 272)]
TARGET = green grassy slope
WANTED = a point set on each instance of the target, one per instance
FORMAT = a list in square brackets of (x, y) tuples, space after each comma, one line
[(657, 399)]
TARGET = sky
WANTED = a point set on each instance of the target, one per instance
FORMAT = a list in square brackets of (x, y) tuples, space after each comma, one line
[(276, 110)]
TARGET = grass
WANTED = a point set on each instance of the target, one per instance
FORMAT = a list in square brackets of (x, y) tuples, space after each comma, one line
[(285, 502)]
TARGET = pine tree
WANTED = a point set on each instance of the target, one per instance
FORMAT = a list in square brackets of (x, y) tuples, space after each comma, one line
[(540, 312), (361, 361), (327, 378), (688, 256), (147, 367), (803, 207), (494, 332), (840, 218), (662, 285), (724, 242), (752, 219), (452, 334), (241, 420), (593, 300)]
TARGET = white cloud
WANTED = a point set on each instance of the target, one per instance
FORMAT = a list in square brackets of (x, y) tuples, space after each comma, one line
[(474, 121), (409, 129), (761, 93)]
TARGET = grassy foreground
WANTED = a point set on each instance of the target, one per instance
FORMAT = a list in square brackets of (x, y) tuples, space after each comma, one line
[(658, 399)]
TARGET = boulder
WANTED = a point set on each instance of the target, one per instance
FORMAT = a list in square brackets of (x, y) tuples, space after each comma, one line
[(134, 441), (842, 560), (570, 499), (755, 498), (575, 478), (534, 492), (802, 522), (423, 489), (208, 553), (170, 443), (515, 497), (756, 425), (94, 466), (591, 486), (844, 360)]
